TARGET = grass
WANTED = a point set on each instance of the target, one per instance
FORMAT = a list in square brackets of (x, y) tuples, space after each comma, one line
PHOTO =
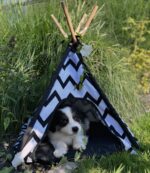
[(117, 12), (26, 67)]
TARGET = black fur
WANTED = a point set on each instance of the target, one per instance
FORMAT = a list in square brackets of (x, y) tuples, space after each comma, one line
[(59, 120)]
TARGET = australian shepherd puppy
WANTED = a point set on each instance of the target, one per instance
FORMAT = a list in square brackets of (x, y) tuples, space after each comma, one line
[(68, 128)]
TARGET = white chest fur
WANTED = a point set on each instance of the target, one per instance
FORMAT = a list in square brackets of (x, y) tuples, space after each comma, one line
[(58, 136)]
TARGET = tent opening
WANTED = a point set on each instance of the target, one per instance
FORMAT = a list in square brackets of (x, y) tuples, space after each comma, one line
[(100, 140)]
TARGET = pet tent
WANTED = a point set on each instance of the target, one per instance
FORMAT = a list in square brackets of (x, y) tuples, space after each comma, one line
[(73, 83)]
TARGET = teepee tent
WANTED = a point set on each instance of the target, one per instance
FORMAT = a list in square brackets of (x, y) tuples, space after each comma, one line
[(74, 83)]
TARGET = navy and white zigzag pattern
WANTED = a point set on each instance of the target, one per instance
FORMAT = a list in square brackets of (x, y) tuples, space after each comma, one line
[(65, 84)]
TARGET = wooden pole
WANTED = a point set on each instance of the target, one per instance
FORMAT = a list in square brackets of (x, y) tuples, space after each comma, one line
[(82, 21), (69, 22), (92, 15), (59, 26)]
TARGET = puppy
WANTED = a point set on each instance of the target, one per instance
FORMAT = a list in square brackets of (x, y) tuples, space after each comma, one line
[(68, 129)]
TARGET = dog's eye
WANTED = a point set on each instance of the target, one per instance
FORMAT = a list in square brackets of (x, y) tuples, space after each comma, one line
[(64, 121)]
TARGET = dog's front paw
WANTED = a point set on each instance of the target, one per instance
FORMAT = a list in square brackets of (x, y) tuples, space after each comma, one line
[(80, 143), (59, 153), (79, 146)]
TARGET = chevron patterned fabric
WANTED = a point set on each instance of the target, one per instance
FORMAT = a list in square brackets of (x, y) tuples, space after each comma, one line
[(72, 79)]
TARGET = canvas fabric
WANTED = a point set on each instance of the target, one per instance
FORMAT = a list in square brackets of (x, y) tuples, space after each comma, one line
[(72, 79)]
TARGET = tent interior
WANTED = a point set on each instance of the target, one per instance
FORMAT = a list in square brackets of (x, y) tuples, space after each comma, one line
[(100, 140)]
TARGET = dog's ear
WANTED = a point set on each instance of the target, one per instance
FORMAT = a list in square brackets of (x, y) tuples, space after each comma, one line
[(52, 127), (54, 121)]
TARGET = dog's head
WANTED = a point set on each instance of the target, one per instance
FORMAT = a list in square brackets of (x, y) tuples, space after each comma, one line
[(67, 120)]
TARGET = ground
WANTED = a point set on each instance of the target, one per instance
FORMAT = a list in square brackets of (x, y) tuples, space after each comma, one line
[(116, 163)]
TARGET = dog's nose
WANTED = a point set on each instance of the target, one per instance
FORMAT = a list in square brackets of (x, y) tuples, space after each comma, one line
[(75, 129)]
